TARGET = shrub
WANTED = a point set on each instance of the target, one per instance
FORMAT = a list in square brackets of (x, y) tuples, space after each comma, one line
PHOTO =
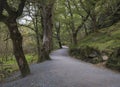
[(87, 54), (114, 60)]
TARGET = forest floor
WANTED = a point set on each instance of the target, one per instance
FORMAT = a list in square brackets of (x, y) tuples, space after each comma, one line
[(65, 71)]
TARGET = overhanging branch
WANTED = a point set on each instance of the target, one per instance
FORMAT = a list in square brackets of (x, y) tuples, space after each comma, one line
[(83, 22), (20, 8)]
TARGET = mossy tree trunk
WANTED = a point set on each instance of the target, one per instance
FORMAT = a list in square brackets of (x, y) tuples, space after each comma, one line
[(47, 25), (75, 30), (10, 21), (75, 38), (17, 47)]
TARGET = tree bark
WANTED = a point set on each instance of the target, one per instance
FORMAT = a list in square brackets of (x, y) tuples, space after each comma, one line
[(47, 25), (57, 26), (75, 38), (94, 23), (38, 46), (17, 47), (85, 28), (35, 23), (59, 41)]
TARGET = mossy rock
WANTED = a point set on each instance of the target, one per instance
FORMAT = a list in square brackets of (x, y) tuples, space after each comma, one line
[(2, 76), (87, 54), (114, 60)]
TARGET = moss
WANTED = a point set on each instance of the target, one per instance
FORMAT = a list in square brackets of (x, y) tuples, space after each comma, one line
[(10, 66), (31, 58), (105, 39), (87, 54), (114, 60)]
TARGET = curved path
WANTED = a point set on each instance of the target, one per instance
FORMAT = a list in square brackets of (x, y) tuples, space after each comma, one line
[(64, 71)]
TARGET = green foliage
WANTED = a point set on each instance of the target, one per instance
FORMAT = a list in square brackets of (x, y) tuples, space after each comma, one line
[(104, 12), (31, 58), (104, 40), (10, 66), (87, 54), (46, 2), (13, 4), (114, 60)]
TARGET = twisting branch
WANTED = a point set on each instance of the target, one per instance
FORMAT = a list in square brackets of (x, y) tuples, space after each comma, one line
[(83, 22), (20, 8)]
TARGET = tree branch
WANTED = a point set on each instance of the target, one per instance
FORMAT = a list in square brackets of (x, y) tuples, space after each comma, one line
[(83, 21), (20, 8)]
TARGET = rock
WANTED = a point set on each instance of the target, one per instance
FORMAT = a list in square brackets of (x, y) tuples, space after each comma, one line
[(105, 57), (93, 55)]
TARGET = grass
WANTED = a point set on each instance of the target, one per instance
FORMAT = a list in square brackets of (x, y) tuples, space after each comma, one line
[(106, 41), (29, 57), (10, 66)]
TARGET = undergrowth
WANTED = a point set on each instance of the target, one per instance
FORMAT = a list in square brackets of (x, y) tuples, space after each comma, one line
[(106, 41)]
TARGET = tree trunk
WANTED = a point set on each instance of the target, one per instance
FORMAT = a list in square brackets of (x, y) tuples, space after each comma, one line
[(17, 47), (6, 50), (86, 32), (47, 25), (58, 34), (59, 41), (75, 38), (35, 22), (94, 23), (38, 46)]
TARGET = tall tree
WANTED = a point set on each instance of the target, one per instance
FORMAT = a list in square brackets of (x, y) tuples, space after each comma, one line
[(33, 12), (72, 6), (46, 8), (57, 27), (9, 19)]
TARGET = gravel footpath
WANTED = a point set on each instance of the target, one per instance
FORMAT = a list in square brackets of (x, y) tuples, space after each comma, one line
[(65, 71)]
